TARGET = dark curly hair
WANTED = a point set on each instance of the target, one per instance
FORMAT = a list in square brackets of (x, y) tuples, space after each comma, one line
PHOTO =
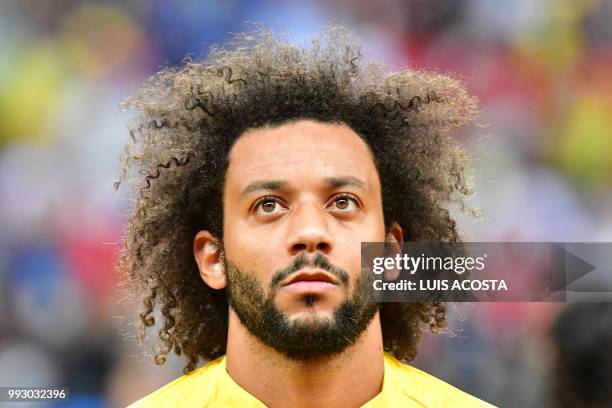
[(186, 121)]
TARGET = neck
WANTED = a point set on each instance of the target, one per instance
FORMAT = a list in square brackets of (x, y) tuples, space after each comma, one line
[(348, 379)]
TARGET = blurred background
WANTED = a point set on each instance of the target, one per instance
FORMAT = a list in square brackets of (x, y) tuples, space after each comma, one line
[(542, 168)]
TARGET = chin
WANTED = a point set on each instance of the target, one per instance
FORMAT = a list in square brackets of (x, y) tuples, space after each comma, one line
[(311, 308), (311, 316)]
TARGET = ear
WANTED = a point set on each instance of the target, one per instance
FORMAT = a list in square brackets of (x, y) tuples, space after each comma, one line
[(208, 256), (393, 243), (395, 234)]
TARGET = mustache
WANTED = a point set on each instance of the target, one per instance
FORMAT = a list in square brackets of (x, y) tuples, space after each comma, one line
[(319, 260)]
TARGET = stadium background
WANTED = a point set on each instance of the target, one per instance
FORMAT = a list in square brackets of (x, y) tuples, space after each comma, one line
[(543, 168)]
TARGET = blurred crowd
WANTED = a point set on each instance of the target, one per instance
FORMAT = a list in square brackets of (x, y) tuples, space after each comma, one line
[(542, 168)]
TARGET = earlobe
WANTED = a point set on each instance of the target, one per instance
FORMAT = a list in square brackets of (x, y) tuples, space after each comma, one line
[(209, 257)]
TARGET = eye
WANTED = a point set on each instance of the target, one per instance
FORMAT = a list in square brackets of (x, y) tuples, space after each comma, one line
[(345, 203), (267, 206)]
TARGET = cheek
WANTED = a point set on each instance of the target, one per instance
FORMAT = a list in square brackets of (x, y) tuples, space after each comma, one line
[(252, 250), (348, 244), (350, 237), (347, 254)]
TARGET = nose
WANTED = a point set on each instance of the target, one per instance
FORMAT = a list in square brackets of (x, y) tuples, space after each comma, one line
[(309, 230)]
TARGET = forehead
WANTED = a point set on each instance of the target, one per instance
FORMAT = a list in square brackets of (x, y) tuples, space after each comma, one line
[(301, 151)]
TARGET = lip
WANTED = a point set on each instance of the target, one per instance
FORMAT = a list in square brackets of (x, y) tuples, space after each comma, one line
[(310, 276), (309, 287), (310, 282)]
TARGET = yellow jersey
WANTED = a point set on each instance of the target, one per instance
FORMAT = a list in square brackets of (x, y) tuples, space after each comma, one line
[(403, 386)]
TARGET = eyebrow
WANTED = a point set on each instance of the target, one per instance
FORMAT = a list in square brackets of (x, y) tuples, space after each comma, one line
[(275, 185), (345, 181)]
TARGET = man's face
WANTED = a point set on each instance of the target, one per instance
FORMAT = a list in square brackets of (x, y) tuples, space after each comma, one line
[(299, 199)]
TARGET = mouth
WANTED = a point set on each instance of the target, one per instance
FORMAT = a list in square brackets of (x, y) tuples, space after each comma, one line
[(310, 282)]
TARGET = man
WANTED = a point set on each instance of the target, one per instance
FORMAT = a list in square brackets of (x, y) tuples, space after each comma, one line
[(265, 167)]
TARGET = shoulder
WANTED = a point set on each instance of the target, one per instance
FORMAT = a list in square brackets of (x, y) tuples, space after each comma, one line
[(188, 390), (427, 390)]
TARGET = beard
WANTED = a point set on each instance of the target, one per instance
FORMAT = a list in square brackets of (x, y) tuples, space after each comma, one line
[(310, 338)]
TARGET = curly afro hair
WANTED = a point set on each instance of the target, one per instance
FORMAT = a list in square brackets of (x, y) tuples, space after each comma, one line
[(186, 120)]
